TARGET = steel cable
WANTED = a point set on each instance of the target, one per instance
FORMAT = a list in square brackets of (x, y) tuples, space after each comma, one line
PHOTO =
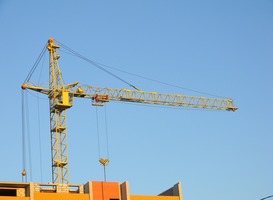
[(95, 64), (35, 65)]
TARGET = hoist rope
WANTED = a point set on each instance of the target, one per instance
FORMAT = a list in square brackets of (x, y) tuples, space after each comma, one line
[(99, 134), (24, 173), (28, 138), (95, 64), (106, 132), (103, 160), (26, 141), (40, 143), (39, 125)]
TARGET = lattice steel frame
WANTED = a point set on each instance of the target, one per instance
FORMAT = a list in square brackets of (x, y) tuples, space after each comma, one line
[(58, 130)]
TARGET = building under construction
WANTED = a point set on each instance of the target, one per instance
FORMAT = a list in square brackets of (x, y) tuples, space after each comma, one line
[(92, 190)]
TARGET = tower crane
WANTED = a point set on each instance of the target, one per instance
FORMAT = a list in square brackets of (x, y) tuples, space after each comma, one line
[(61, 98)]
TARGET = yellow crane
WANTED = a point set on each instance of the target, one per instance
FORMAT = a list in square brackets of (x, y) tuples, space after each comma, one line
[(61, 98)]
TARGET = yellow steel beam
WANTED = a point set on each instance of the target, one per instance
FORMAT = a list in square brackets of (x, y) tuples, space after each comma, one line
[(102, 95)]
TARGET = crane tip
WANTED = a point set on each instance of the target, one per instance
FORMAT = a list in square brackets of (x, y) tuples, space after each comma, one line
[(24, 86), (51, 40)]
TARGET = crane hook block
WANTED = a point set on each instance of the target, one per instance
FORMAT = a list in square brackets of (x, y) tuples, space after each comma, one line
[(24, 172), (104, 161)]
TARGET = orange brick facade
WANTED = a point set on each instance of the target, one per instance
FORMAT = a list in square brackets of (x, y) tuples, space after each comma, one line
[(92, 190)]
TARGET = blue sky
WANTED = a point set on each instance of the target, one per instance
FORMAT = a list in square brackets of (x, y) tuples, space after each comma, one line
[(224, 48)]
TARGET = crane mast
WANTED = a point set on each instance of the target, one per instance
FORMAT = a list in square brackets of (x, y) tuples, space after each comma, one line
[(61, 98), (58, 130)]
